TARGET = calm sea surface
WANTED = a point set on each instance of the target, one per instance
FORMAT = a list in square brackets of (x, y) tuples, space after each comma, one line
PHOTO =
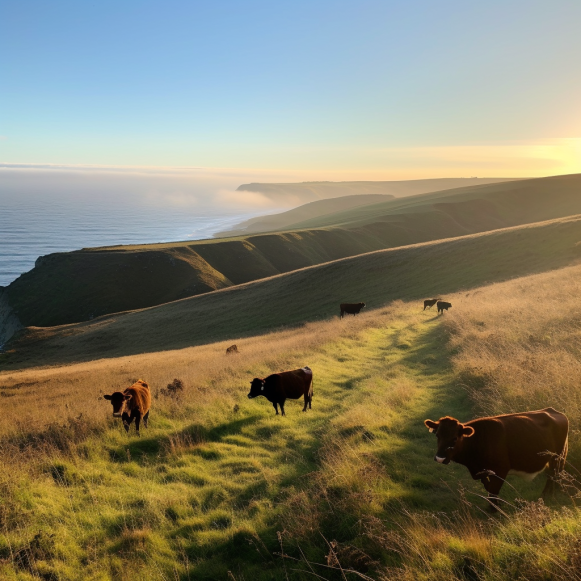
[(32, 226)]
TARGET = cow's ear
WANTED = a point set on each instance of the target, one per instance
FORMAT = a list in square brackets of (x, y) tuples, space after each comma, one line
[(432, 426), (467, 431), (106, 397), (127, 397)]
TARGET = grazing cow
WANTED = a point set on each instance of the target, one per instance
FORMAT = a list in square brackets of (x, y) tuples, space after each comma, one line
[(351, 308), (491, 448), (429, 303), (443, 306), (276, 388), (232, 349), (132, 404)]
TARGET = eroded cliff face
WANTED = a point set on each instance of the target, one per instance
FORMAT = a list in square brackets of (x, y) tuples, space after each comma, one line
[(9, 322)]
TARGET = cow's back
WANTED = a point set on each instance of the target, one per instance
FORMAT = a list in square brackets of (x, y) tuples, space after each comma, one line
[(294, 383), (141, 396), (522, 438)]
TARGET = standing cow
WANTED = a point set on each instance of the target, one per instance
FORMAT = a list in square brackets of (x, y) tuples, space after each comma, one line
[(429, 303), (523, 444), (279, 387), (443, 306), (350, 308), (132, 404)]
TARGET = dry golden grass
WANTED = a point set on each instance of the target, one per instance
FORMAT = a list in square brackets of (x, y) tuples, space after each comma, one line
[(37, 398), (519, 344)]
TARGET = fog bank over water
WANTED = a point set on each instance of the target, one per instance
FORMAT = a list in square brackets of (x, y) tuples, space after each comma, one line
[(48, 209)]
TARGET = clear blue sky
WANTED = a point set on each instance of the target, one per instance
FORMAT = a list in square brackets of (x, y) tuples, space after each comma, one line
[(366, 86)]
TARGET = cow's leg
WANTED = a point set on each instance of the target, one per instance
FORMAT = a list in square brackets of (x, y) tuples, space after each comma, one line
[(493, 484), (556, 465), (127, 419), (146, 419), (275, 407), (282, 407), (137, 420)]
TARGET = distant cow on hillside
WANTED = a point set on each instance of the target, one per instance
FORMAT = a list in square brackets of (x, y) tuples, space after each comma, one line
[(279, 387), (523, 444), (429, 303), (232, 349), (350, 308), (443, 306), (132, 404)]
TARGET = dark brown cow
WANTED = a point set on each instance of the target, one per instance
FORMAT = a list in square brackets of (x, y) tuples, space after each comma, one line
[(279, 387), (350, 308), (443, 306), (491, 448), (232, 349), (132, 404), (429, 303)]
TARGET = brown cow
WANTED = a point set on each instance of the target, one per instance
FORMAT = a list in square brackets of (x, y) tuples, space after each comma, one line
[(132, 404), (276, 388), (232, 349), (350, 308), (491, 448), (429, 303)]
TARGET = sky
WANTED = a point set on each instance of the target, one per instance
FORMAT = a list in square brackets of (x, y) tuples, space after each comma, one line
[(294, 90)]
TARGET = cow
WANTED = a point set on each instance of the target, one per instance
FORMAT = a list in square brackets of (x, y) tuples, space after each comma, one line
[(132, 404), (350, 308), (429, 303), (491, 448), (279, 387), (443, 306), (232, 349)]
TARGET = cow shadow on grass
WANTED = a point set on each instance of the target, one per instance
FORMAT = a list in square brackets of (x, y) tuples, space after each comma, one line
[(191, 436)]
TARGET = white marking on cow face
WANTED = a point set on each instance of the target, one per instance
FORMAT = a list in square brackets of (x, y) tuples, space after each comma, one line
[(262, 387), (440, 460), (528, 476)]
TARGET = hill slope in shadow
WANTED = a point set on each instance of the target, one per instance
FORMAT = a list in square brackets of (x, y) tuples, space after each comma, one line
[(309, 294)]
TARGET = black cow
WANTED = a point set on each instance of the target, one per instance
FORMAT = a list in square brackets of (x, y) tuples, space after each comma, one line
[(350, 308), (429, 303), (523, 444), (443, 306), (279, 387)]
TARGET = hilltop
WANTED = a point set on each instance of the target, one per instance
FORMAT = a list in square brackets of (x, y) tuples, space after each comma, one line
[(303, 192), (82, 285), (309, 294), (285, 220)]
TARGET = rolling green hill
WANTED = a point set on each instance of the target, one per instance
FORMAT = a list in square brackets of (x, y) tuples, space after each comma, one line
[(309, 294), (305, 212), (78, 286)]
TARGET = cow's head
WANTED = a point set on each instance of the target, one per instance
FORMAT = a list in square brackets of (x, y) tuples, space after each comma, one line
[(449, 432), (256, 388), (118, 401), (361, 305)]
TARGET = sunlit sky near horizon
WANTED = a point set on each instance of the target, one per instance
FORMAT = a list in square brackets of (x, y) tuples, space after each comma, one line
[(295, 90)]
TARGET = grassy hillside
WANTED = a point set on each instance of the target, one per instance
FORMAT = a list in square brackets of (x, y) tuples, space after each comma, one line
[(221, 488), (77, 286), (308, 211), (413, 272)]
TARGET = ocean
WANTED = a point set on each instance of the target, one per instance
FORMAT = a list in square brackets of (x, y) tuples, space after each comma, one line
[(34, 225)]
